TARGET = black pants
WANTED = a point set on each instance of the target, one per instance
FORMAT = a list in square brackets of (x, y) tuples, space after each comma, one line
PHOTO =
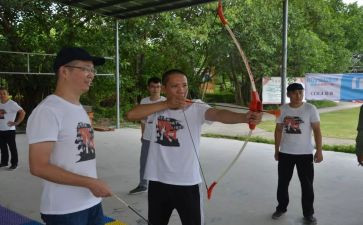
[(164, 198), (7, 138), (305, 171)]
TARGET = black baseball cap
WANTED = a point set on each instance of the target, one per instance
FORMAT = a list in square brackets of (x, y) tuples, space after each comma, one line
[(68, 54), (294, 86)]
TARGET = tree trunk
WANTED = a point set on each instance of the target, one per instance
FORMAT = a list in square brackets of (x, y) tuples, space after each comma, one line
[(237, 85)]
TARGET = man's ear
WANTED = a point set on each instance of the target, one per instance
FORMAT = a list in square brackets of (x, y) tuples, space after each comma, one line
[(62, 72), (163, 89)]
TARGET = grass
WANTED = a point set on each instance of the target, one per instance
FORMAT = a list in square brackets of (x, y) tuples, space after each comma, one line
[(268, 125), (322, 103), (338, 124), (335, 148)]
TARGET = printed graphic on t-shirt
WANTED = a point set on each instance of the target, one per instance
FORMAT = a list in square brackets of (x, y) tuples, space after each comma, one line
[(85, 135), (2, 113), (166, 129), (292, 124)]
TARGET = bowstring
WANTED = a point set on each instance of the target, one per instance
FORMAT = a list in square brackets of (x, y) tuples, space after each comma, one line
[(195, 150)]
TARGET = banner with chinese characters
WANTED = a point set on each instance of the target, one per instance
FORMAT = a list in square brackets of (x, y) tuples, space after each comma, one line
[(335, 87)]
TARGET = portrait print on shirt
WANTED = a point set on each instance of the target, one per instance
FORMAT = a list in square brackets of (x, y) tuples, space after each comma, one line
[(2, 113), (292, 124), (166, 129), (85, 136)]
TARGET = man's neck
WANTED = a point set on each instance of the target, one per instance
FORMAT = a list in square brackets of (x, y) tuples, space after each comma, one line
[(3, 102), (67, 95), (295, 105), (154, 97)]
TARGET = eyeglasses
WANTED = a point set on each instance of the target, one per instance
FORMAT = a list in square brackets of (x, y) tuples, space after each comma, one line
[(84, 69)]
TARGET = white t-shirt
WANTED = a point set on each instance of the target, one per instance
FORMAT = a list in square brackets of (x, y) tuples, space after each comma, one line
[(172, 158), (8, 112), (68, 125), (297, 130), (147, 131)]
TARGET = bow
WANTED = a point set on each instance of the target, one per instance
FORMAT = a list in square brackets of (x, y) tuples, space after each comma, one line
[(275, 112), (255, 104)]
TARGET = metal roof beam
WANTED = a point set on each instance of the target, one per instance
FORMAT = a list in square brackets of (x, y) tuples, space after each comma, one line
[(144, 7), (105, 5), (142, 10), (123, 9)]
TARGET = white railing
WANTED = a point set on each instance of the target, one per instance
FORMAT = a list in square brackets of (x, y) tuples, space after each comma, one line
[(28, 72)]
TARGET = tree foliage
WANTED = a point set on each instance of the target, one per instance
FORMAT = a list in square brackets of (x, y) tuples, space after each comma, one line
[(323, 37)]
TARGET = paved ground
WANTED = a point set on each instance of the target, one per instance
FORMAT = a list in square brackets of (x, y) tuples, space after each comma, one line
[(246, 195)]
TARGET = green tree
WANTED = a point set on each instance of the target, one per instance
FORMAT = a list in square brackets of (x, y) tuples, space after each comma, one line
[(323, 37)]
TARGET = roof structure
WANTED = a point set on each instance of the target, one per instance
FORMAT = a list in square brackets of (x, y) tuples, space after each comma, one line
[(124, 9)]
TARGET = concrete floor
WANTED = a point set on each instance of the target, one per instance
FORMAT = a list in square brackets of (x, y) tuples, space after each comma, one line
[(245, 196)]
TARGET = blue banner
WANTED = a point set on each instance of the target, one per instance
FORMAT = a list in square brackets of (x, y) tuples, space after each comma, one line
[(352, 87), (336, 87)]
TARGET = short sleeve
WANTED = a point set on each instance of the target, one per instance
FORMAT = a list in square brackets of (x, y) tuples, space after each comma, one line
[(42, 126), (314, 115), (142, 102), (280, 117), (15, 107), (202, 108)]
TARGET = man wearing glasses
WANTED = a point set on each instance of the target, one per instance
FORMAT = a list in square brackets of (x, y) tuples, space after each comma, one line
[(61, 145)]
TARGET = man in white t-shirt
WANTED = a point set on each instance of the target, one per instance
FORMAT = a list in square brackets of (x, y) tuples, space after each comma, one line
[(61, 145), (154, 88), (8, 113), (172, 167), (293, 146)]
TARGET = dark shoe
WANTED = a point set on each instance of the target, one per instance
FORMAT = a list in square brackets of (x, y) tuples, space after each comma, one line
[(138, 190), (3, 164), (277, 214), (13, 167), (309, 220)]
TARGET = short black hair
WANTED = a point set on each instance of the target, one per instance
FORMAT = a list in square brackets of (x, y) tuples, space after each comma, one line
[(294, 87), (168, 73), (3, 89), (154, 80)]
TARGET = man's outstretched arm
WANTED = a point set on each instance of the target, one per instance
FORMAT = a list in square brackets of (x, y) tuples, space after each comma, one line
[(229, 117)]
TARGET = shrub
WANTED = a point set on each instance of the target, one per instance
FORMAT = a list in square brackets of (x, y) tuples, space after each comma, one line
[(221, 97)]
